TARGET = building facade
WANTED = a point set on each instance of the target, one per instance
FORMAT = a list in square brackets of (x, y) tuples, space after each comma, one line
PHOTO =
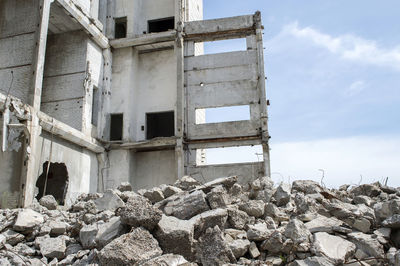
[(95, 93)]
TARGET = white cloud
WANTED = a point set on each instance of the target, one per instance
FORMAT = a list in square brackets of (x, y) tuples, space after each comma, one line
[(355, 88), (343, 159), (348, 46)]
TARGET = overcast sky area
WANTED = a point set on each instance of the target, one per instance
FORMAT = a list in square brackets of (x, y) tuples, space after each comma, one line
[(333, 70)]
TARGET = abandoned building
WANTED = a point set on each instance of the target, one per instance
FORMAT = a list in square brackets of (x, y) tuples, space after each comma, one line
[(95, 93)]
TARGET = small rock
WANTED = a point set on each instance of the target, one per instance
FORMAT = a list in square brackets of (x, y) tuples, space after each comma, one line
[(367, 244), (258, 232), (49, 202), (167, 259), (168, 190), (362, 225), (323, 224), (13, 237), (209, 219), (306, 186), (187, 183), (218, 197), (129, 249), (237, 218), (312, 261), (3, 240), (57, 228), (392, 222)]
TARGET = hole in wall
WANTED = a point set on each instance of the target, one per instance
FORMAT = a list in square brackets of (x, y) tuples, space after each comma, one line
[(116, 126), (95, 106), (160, 125), (120, 27), (225, 46), (160, 25), (57, 181), (222, 114)]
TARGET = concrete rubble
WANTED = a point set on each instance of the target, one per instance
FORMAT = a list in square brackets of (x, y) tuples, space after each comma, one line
[(218, 223)]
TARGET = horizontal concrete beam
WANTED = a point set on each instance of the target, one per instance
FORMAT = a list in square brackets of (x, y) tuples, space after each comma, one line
[(154, 144), (224, 142), (86, 22), (225, 28), (68, 133), (145, 39)]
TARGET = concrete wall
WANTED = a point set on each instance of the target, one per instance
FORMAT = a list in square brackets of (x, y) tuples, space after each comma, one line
[(18, 25), (64, 74), (10, 174), (153, 169), (82, 165), (138, 12)]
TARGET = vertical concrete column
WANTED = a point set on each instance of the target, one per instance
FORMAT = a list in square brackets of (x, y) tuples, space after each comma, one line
[(180, 102), (104, 120), (263, 96), (30, 156)]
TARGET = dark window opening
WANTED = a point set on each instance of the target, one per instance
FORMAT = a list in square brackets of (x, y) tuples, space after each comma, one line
[(120, 28), (95, 106), (160, 125), (159, 25), (56, 183), (116, 126)]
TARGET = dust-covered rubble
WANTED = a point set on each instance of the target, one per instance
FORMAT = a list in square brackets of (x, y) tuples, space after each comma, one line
[(218, 223)]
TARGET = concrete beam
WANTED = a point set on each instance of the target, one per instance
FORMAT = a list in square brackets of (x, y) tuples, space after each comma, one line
[(145, 39), (68, 133), (214, 29), (153, 144), (87, 23)]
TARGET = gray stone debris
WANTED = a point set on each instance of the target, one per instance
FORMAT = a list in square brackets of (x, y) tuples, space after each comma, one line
[(187, 206), (125, 186), (138, 211), (134, 247), (49, 202), (220, 222)]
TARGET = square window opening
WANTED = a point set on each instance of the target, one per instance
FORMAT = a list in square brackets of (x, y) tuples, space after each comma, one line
[(160, 25), (116, 126), (120, 28), (160, 125)]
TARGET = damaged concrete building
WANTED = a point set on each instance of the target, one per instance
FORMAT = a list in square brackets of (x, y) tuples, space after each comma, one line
[(95, 93)]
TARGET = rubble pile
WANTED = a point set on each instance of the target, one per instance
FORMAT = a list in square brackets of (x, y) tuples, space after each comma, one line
[(218, 223)]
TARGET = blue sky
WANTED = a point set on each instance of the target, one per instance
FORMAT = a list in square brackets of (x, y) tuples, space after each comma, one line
[(333, 71)]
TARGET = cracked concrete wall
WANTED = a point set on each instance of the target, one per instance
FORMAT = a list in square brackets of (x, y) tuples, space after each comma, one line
[(10, 173), (17, 46), (82, 165)]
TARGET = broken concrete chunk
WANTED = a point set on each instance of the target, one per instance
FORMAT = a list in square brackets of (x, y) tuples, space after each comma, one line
[(138, 211), (282, 194), (239, 247), (218, 197), (49, 202), (370, 190), (237, 218), (57, 228), (154, 195), (258, 232), (335, 248), (323, 224), (167, 259), (187, 183), (392, 222), (212, 248), (253, 208), (312, 261), (209, 219), (168, 190), (13, 237), (306, 186), (170, 231), (297, 231), (109, 201), (362, 225), (367, 244), (108, 231), (125, 186), (253, 250), (53, 247), (187, 206), (134, 247), (3, 240), (27, 219), (87, 235)]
